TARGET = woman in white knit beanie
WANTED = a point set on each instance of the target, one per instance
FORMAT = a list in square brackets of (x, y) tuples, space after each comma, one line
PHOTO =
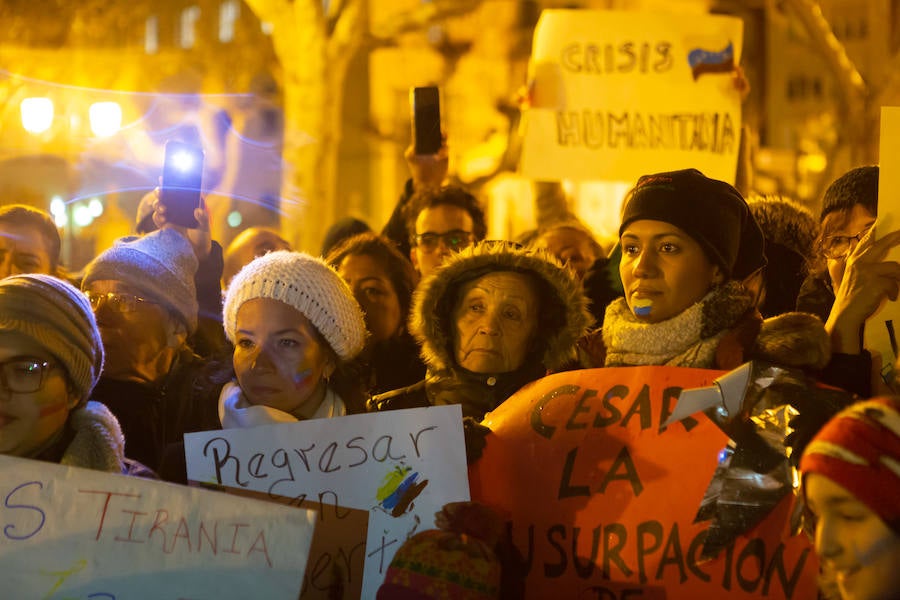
[(293, 322)]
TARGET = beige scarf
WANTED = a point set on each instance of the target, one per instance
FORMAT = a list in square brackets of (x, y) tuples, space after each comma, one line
[(689, 339)]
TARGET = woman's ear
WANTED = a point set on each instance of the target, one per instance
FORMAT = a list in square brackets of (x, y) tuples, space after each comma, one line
[(330, 366), (718, 277), (73, 397), (176, 333)]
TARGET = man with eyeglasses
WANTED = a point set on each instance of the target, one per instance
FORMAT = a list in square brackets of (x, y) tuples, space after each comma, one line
[(143, 295), (441, 221), (850, 277)]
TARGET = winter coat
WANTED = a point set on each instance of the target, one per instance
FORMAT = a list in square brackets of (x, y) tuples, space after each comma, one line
[(154, 417), (563, 318), (91, 439)]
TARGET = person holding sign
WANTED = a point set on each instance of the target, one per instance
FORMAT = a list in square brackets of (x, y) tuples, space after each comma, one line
[(294, 324), (51, 356), (687, 243), (493, 318), (851, 483)]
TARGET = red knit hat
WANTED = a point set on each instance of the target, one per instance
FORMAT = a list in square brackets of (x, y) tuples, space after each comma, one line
[(859, 449)]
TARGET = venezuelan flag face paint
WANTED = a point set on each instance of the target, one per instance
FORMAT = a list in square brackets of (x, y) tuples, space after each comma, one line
[(279, 358), (30, 421), (642, 307), (857, 548), (664, 270)]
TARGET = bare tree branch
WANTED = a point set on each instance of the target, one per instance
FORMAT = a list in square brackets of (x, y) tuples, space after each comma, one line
[(272, 11), (421, 17), (851, 85)]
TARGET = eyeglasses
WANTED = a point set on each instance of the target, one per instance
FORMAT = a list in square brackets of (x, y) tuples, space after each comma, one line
[(454, 240), (121, 303), (836, 247), (22, 375)]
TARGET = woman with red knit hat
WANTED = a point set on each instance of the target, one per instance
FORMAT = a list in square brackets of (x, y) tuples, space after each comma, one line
[(851, 481)]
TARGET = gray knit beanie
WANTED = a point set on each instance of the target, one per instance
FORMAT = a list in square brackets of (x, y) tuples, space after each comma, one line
[(308, 284), (159, 266), (57, 316)]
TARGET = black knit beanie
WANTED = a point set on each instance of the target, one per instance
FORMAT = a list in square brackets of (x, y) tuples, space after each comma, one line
[(711, 211)]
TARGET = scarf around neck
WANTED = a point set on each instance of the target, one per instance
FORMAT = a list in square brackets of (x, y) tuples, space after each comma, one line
[(236, 412), (689, 339)]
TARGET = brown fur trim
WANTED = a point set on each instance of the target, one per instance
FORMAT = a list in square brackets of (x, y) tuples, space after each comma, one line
[(794, 339), (431, 328)]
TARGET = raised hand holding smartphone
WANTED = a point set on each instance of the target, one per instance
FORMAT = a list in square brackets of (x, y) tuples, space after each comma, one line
[(181, 183), (426, 119)]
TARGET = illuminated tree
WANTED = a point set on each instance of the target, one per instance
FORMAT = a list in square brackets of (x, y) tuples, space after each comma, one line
[(314, 46)]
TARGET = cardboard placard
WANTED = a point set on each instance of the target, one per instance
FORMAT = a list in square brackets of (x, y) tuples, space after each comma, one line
[(401, 467), (883, 328), (620, 94), (75, 533), (602, 497)]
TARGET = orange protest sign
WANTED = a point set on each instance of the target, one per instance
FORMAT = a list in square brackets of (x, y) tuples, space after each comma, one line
[(602, 497)]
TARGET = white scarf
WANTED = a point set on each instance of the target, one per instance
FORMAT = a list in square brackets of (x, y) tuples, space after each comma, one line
[(236, 412)]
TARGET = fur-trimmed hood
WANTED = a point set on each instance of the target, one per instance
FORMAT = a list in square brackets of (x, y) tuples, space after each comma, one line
[(563, 318), (785, 222), (98, 442)]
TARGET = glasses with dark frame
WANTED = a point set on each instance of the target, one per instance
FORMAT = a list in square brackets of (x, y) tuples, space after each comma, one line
[(837, 247), (454, 240), (121, 303), (24, 374)]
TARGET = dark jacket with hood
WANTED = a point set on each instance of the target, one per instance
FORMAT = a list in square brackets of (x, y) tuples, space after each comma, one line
[(562, 319)]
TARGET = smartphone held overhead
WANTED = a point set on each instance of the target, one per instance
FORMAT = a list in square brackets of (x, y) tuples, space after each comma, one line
[(426, 119), (181, 182)]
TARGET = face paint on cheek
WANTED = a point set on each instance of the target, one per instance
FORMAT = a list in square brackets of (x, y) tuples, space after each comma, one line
[(301, 379), (642, 307), (867, 556), (51, 409)]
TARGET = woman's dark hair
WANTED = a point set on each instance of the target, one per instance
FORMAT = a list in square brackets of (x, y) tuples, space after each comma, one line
[(400, 271)]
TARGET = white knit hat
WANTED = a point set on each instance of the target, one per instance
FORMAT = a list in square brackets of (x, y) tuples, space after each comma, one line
[(308, 284)]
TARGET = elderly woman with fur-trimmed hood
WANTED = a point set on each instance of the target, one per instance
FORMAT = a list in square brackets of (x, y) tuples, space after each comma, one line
[(491, 319)]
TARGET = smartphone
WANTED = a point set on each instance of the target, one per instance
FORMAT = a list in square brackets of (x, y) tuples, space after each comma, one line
[(426, 119), (181, 180)]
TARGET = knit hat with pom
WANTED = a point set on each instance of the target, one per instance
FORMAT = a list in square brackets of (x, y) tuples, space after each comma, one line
[(57, 316), (459, 560), (307, 284), (159, 266), (859, 449)]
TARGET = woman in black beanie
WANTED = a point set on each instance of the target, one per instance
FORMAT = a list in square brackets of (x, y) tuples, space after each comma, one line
[(688, 243)]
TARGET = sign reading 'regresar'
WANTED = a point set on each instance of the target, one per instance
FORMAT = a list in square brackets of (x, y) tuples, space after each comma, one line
[(602, 496), (75, 533), (615, 95)]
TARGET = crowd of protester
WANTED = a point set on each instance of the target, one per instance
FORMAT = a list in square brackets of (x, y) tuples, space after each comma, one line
[(170, 333)]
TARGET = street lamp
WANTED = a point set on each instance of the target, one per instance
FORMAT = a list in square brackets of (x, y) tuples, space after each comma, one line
[(37, 114), (106, 118)]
